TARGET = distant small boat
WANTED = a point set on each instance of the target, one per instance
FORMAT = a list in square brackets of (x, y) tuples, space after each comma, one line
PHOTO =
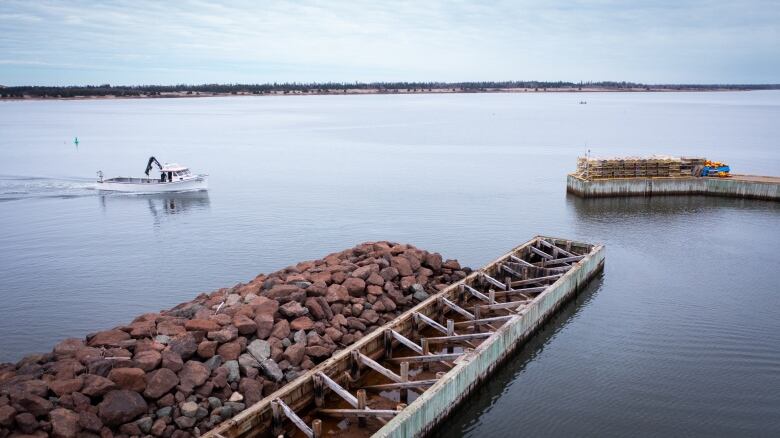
[(583, 102), (173, 178)]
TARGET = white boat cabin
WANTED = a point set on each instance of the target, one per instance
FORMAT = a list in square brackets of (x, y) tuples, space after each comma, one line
[(174, 172)]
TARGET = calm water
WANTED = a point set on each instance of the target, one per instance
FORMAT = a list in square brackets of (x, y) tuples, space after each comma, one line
[(681, 335)]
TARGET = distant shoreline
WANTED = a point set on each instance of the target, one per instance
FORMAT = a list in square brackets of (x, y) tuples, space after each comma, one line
[(371, 91)]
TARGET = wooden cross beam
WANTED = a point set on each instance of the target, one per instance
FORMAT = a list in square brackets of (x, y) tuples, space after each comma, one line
[(335, 387), (458, 338), (292, 416), (457, 308), (431, 323), (412, 384), (556, 247), (430, 357), (358, 413)]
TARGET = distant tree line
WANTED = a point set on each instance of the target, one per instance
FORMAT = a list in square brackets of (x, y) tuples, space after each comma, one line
[(336, 87)]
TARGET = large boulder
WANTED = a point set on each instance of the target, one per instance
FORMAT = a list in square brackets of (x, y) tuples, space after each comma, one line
[(95, 386), (133, 379), (159, 382), (203, 325), (109, 338), (194, 374), (121, 406), (64, 423)]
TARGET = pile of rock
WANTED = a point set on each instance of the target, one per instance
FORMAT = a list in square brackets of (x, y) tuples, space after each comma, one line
[(182, 371)]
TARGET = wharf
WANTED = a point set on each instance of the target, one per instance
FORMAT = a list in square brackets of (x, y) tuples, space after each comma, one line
[(735, 186), (419, 366)]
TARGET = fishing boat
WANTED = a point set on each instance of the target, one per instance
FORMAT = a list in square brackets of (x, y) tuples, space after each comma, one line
[(173, 178)]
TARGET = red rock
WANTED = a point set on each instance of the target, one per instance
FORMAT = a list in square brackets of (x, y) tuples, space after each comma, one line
[(282, 291), (244, 324), (338, 277), (315, 309), (170, 328), (147, 360), (64, 423), (133, 379), (356, 287), (172, 360), (159, 382), (265, 324), (451, 264), (7, 414), (203, 325), (389, 274), (143, 329), (281, 329), (229, 350), (26, 423), (194, 374), (224, 335), (402, 265), (89, 421), (66, 386), (158, 428), (68, 347), (317, 352), (293, 309), (121, 406), (207, 349), (95, 386), (302, 323), (31, 403), (185, 345), (263, 305), (433, 261), (364, 271), (370, 315), (337, 294), (294, 354), (108, 338), (88, 354), (251, 389), (317, 277), (375, 279), (334, 334)]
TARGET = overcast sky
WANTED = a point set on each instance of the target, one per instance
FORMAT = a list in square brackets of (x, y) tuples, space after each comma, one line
[(168, 42)]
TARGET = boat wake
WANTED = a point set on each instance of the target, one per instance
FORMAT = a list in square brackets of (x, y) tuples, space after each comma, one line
[(14, 187)]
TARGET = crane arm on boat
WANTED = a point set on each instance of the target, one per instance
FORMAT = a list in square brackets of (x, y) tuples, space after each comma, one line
[(149, 165)]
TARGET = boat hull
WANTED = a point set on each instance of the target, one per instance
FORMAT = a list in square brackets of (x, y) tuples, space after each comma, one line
[(148, 185)]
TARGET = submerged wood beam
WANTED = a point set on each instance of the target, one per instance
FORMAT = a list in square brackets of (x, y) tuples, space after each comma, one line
[(428, 358), (458, 338), (484, 320), (563, 260), (357, 413), (536, 280), (401, 385)]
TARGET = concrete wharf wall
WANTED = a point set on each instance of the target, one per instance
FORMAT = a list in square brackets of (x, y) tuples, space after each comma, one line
[(736, 186)]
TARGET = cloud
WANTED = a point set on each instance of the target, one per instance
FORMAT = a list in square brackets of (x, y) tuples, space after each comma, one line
[(238, 41)]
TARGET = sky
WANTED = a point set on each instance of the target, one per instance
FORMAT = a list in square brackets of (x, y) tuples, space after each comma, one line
[(46, 42)]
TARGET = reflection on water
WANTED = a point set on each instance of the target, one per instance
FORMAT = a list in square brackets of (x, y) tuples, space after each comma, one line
[(600, 209), (161, 205)]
